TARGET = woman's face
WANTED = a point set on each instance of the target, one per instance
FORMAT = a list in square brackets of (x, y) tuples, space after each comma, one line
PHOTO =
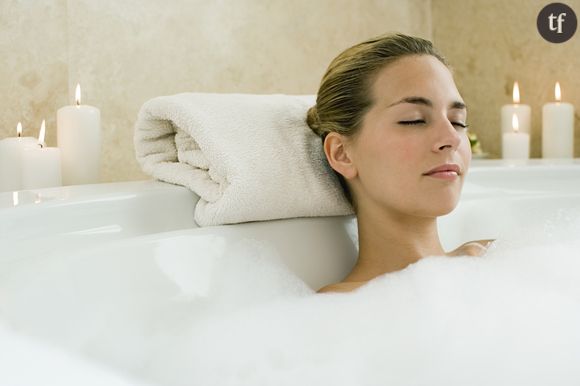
[(415, 124)]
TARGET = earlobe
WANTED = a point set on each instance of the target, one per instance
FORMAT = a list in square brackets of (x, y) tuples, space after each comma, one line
[(337, 153)]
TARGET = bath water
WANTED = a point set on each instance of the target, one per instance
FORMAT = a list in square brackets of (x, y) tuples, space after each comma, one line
[(237, 316)]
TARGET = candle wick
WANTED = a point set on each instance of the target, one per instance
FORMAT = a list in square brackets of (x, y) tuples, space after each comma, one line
[(40, 144), (19, 135)]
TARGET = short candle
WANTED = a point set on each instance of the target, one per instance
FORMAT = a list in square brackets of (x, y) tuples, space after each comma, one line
[(41, 165), (515, 145), (11, 160)]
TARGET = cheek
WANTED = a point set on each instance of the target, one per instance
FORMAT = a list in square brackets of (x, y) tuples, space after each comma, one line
[(389, 166), (407, 153), (404, 153), (373, 160), (390, 156)]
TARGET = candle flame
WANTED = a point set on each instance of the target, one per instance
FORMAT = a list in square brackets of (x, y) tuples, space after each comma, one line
[(515, 123), (557, 92), (78, 94), (516, 92), (19, 129), (42, 134), (14, 198)]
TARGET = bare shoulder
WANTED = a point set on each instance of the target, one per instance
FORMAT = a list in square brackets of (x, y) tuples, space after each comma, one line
[(472, 248), (342, 287)]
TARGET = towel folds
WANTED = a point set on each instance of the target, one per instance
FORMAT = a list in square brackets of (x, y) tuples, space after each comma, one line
[(249, 157)]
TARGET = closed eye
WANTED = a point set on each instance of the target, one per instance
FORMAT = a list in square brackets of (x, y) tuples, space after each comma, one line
[(465, 126), (412, 122), (422, 121)]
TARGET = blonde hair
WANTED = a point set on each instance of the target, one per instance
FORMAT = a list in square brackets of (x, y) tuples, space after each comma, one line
[(344, 95)]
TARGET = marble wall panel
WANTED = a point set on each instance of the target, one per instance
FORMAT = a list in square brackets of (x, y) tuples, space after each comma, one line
[(127, 52), (33, 65), (491, 44)]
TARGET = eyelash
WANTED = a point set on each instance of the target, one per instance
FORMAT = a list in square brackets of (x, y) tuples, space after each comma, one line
[(422, 121)]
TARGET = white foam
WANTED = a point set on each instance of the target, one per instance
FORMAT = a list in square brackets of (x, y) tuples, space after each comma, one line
[(26, 362), (441, 321), (510, 317)]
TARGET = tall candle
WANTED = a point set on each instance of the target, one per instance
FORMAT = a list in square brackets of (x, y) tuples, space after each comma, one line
[(515, 145), (41, 165), (558, 128), (11, 160), (79, 139), (522, 111)]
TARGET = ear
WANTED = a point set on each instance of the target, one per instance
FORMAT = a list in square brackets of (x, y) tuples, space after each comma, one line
[(337, 149)]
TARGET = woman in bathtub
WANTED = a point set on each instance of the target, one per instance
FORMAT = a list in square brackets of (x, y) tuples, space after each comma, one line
[(394, 129)]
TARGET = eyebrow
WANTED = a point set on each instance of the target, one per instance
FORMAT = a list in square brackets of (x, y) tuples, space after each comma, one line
[(424, 101)]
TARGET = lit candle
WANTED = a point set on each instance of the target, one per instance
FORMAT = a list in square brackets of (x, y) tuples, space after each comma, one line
[(522, 111), (79, 139), (558, 128), (11, 160), (516, 145), (41, 165)]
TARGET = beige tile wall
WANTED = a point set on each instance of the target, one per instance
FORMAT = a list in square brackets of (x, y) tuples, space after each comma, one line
[(126, 52), (491, 43), (33, 65)]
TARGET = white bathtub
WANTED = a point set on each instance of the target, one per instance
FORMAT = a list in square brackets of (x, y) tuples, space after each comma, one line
[(134, 217), (117, 231)]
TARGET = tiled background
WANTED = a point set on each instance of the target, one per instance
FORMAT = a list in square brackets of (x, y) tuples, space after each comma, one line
[(126, 52)]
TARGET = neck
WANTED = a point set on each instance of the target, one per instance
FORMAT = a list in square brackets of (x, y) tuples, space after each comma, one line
[(390, 241)]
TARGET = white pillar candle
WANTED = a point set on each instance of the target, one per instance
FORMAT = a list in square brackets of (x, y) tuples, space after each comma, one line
[(522, 111), (41, 166), (11, 160), (79, 139), (515, 145), (558, 128)]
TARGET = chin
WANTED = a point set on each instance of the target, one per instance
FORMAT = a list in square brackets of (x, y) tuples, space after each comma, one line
[(440, 208)]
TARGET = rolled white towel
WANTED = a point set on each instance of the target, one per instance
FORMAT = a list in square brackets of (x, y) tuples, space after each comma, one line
[(249, 157)]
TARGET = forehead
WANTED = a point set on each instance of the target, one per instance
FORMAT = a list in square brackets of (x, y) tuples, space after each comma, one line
[(422, 75)]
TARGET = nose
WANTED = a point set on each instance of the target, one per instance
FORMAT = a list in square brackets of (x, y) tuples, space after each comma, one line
[(447, 136)]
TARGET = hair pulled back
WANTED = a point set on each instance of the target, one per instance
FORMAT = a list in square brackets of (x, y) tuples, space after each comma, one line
[(344, 95)]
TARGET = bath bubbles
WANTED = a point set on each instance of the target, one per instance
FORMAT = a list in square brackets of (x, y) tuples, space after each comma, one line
[(205, 310), (440, 321), (26, 362), (232, 275), (121, 308), (544, 227)]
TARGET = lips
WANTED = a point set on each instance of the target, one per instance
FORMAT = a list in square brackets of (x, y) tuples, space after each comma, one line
[(445, 168)]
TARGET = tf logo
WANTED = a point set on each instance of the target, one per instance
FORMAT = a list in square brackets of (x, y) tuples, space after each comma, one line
[(557, 22)]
